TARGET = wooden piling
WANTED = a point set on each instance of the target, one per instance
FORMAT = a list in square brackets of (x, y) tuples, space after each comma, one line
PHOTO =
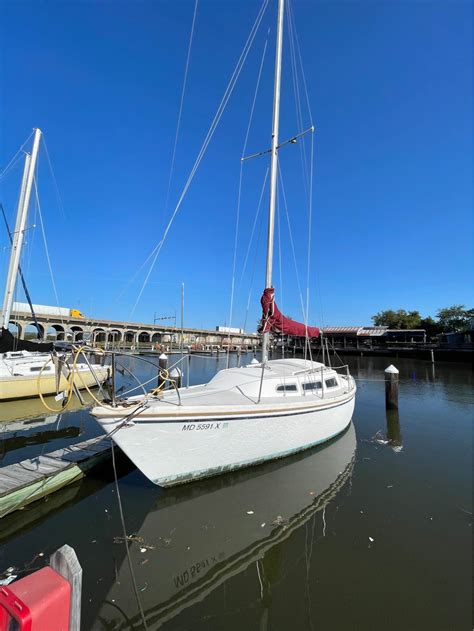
[(163, 366), (394, 434), (66, 563), (391, 387), (176, 376)]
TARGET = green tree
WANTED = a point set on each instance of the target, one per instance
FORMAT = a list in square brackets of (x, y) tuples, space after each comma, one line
[(400, 319), (455, 318), (431, 327)]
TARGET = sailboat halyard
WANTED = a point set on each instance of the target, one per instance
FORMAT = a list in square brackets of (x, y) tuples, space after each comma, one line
[(242, 416), (27, 368)]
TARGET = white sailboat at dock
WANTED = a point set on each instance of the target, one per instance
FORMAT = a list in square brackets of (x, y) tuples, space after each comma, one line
[(243, 416)]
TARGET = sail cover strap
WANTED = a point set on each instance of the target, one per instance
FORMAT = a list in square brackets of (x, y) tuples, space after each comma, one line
[(273, 320)]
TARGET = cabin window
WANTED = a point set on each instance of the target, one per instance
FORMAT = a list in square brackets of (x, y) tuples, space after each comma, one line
[(331, 383), (312, 385), (38, 368), (288, 387)]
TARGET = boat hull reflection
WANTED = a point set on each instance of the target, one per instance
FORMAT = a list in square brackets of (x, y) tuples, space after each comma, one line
[(199, 536)]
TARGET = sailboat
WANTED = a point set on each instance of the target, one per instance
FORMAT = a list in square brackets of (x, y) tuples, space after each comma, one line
[(243, 416), (28, 368)]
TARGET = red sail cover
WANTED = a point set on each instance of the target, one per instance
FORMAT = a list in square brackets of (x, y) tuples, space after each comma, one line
[(274, 320)]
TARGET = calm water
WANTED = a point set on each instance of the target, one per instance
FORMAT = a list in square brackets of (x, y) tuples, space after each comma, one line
[(359, 534)]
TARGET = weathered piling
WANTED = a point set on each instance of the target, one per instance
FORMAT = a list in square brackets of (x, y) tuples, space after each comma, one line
[(66, 563), (391, 387), (162, 368), (176, 376), (394, 434)]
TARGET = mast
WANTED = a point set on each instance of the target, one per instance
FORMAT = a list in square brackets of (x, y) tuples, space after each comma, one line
[(22, 213), (274, 162)]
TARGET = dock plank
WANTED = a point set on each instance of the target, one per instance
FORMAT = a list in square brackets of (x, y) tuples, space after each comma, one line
[(24, 482)]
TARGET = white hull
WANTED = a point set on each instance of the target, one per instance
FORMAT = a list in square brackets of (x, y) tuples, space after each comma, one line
[(173, 444)]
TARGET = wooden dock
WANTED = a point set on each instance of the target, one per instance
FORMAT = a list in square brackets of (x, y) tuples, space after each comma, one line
[(27, 481)]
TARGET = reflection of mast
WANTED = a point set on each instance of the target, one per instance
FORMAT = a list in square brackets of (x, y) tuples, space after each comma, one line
[(269, 571), (394, 434)]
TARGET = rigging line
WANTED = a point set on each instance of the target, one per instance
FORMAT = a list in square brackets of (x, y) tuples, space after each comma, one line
[(183, 90), (210, 133), (254, 267), (15, 158), (299, 120), (20, 271), (40, 215), (310, 226), (125, 539), (130, 281), (280, 267), (239, 196), (298, 49), (58, 194), (292, 242), (298, 109), (254, 225)]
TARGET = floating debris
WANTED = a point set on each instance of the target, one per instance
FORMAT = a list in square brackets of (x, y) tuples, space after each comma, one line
[(279, 521), (371, 540), (250, 512), (379, 439), (135, 539)]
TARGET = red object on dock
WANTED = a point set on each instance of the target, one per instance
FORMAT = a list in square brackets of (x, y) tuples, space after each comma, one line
[(38, 602)]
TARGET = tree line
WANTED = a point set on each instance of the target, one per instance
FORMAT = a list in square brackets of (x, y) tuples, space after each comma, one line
[(450, 319)]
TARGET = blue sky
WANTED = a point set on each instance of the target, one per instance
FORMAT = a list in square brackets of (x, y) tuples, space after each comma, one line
[(390, 90)]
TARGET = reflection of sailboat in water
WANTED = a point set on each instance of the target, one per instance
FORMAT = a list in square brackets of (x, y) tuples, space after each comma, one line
[(203, 535)]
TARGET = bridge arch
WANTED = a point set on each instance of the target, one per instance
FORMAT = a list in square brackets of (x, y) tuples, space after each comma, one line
[(15, 329), (30, 331), (114, 336), (77, 333), (143, 336), (98, 335), (55, 332), (129, 337)]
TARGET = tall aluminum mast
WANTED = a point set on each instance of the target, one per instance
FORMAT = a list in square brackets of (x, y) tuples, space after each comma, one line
[(20, 225), (274, 162)]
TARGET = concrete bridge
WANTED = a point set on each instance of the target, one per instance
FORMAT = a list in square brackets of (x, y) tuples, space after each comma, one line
[(115, 334)]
